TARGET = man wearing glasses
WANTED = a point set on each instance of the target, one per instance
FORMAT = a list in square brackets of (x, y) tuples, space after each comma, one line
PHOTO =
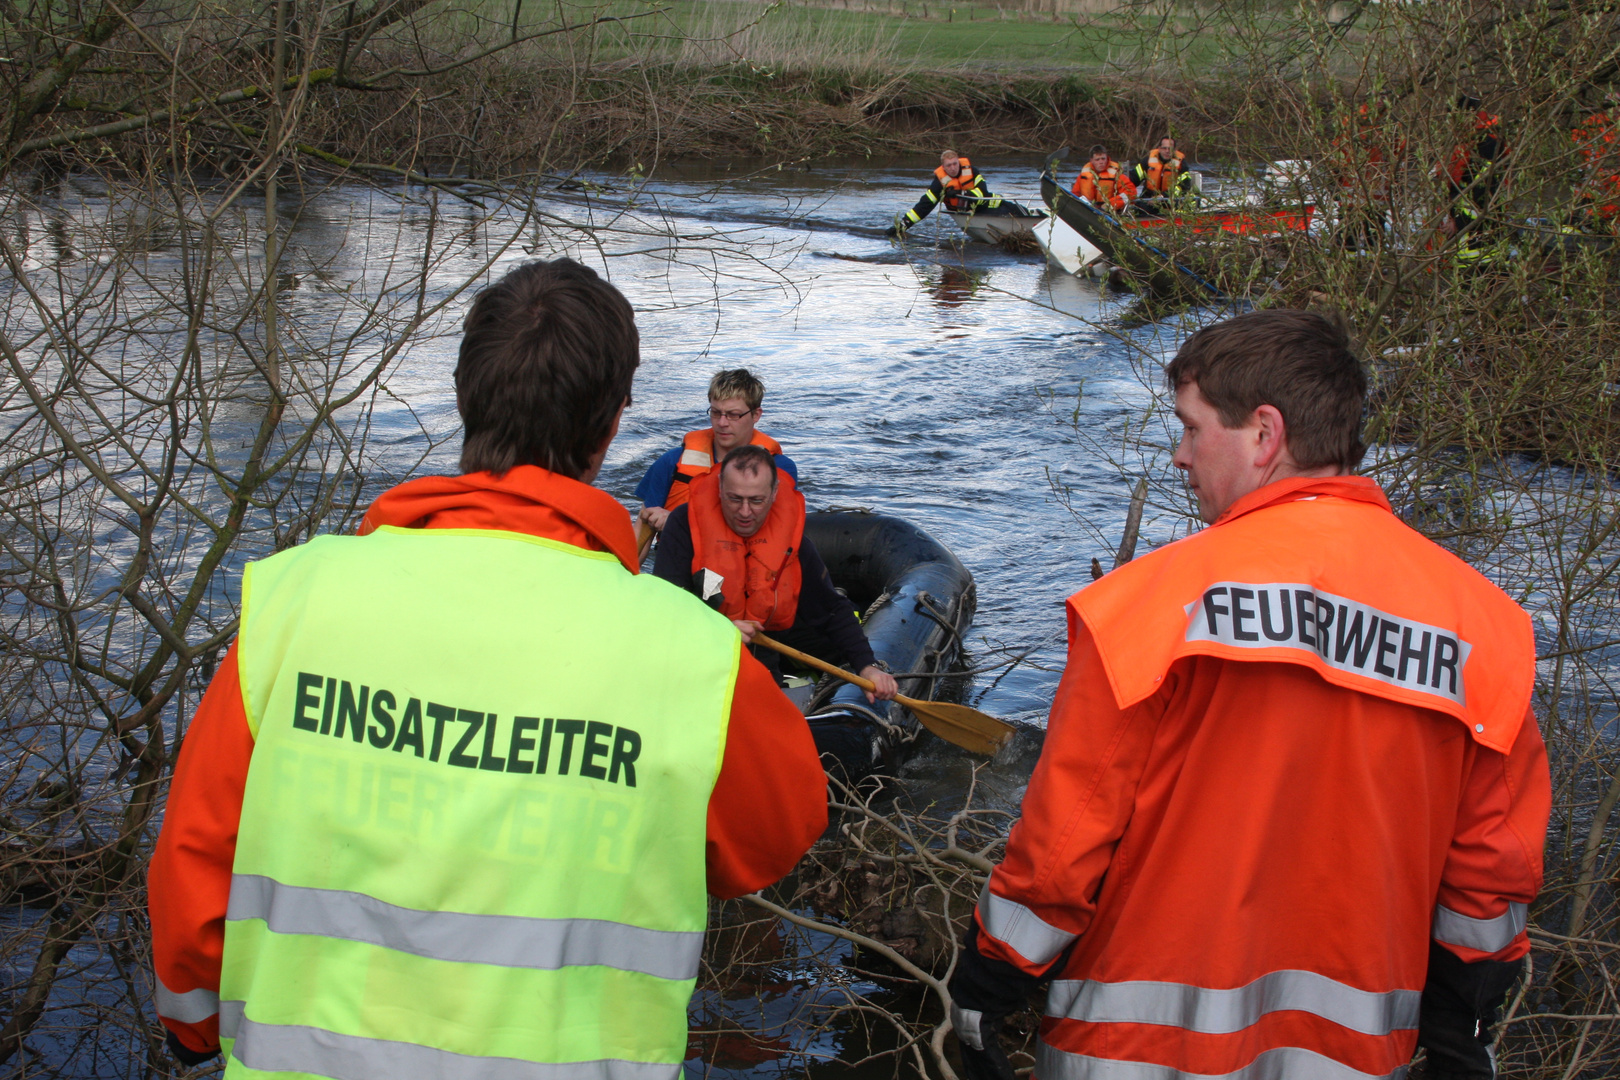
[(735, 397)]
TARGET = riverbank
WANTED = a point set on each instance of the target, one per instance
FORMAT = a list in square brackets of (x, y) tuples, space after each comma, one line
[(496, 91)]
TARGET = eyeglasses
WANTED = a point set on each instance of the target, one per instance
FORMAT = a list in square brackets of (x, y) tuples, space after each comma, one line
[(716, 415)]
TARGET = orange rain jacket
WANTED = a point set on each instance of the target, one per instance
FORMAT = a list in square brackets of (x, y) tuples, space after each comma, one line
[(1285, 751), (768, 805)]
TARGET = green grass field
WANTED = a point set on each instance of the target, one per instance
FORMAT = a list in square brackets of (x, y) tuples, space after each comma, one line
[(903, 35)]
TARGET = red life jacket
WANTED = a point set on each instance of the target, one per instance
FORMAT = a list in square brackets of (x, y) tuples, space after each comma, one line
[(761, 574), (956, 185), (697, 458)]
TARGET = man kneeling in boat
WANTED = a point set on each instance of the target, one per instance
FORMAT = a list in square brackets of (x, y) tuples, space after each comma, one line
[(1162, 178), (1103, 181), (957, 184), (735, 404), (745, 525)]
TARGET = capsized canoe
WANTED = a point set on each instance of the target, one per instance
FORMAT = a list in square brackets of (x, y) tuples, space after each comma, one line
[(1152, 268), (918, 601)]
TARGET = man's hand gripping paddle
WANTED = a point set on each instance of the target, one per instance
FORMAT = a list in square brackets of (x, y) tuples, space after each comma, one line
[(968, 728)]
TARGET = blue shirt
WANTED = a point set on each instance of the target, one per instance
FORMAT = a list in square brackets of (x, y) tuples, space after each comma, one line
[(654, 487)]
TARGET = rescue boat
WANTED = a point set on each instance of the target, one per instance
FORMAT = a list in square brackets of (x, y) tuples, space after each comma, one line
[(1107, 240), (916, 600)]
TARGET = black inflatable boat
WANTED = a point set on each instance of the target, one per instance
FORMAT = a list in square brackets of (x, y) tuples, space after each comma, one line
[(917, 599)]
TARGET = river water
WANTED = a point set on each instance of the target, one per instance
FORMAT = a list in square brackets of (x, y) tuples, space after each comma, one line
[(948, 383), (939, 381)]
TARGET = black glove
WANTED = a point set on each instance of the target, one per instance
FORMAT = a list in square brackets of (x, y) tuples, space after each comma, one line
[(186, 1056), (892, 231), (1460, 1008), (983, 992)]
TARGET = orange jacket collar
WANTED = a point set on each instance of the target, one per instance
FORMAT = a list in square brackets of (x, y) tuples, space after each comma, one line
[(1355, 488), (528, 499)]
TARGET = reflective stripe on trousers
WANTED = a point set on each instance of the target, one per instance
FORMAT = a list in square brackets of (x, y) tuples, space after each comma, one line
[(1025, 932), (297, 1049), (191, 1007), (1484, 935), (500, 940), (1283, 1063), (1223, 1012)]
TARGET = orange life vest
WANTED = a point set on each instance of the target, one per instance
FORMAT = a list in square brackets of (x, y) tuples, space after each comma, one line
[(1597, 139), (1110, 187), (1459, 168), (1162, 175), (963, 181), (760, 575), (697, 459)]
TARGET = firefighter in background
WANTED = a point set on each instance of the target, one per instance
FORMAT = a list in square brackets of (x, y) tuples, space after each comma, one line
[(1290, 811), (1598, 197), (1161, 177), (957, 184), (1471, 176), (1103, 181), (1367, 165)]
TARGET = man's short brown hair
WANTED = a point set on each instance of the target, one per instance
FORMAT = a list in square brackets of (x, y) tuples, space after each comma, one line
[(737, 382), (547, 357), (750, 459), (1300, 362)]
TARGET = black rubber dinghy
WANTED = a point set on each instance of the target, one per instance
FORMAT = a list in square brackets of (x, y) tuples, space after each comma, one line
[(1154, 270), (918, 600)]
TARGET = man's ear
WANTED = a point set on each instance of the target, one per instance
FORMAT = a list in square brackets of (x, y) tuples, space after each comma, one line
[(1271, 436)]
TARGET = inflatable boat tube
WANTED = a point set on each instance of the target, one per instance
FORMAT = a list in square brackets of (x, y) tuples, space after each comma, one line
[(918, 600)]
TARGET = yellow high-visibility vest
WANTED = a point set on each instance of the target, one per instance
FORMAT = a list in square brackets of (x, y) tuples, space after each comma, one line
[(473, 832)]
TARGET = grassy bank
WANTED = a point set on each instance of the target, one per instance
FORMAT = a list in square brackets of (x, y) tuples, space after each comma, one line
[(500, 87)]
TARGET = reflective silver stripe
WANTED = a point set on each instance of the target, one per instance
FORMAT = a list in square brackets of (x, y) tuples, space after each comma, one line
[(1486, 935), (1222, 1012), (504, 940), (696, 458), (230, 1018), (191, 1007), (294, 1049), (1015, 925), (1283, 1063)]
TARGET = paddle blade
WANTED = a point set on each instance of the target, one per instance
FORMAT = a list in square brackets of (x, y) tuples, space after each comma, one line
[(1056, 156), (968, 728)]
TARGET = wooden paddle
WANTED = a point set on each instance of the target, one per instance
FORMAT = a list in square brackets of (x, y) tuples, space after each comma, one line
[(644, 538), (968, 728)]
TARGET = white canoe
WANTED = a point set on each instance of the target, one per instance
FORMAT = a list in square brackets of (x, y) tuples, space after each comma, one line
[(1068, 250), (990, 228)]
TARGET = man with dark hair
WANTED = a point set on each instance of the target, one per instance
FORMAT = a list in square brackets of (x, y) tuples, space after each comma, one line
[(1162, 179), (736, 402), (1290, 810), (449, 806), (739, 543), (1103, 181)]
